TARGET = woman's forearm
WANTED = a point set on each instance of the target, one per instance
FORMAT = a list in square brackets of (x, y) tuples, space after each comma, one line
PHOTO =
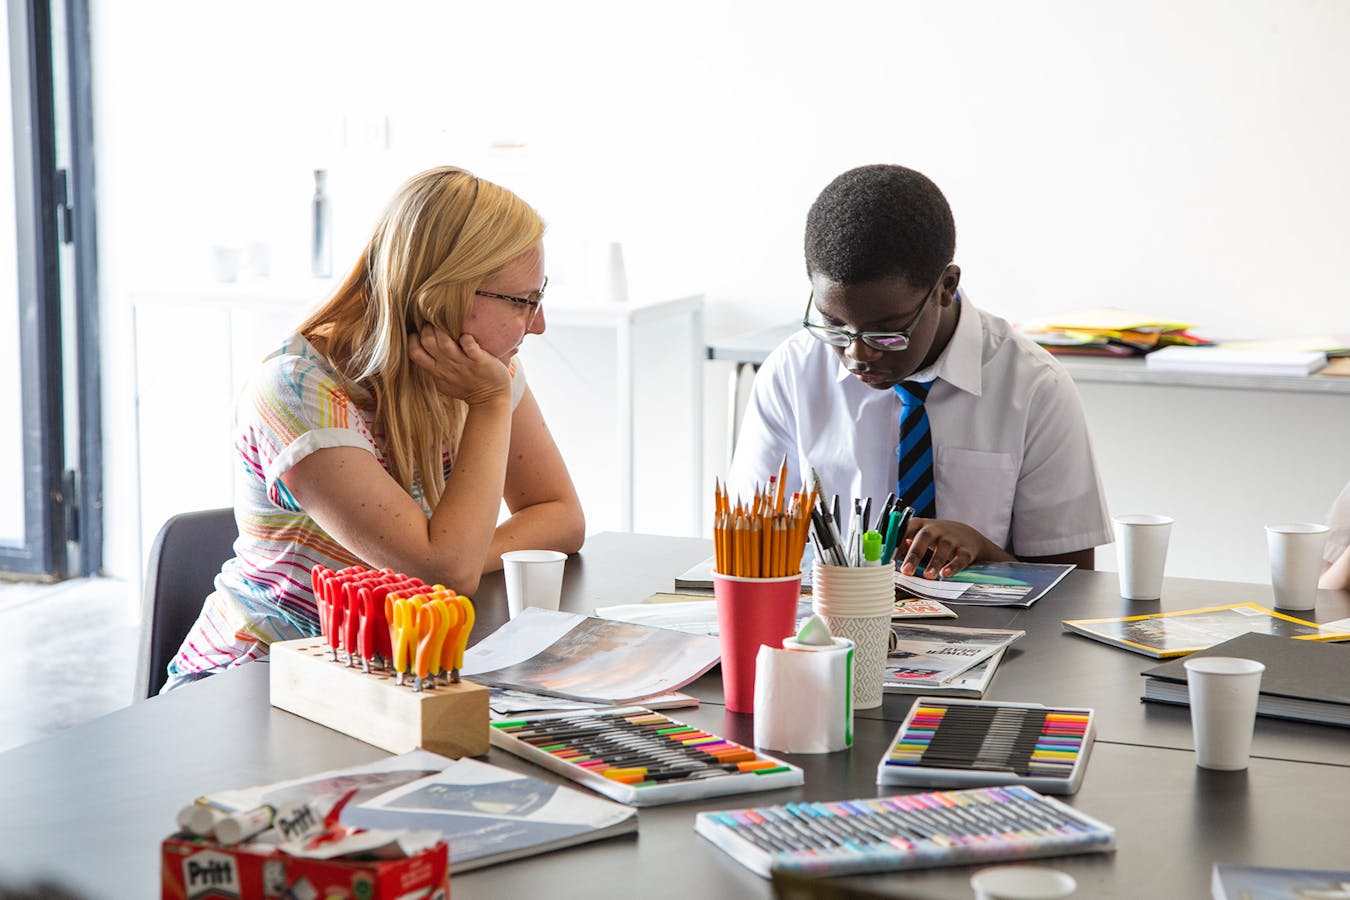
[(551, 525), (462, 526)]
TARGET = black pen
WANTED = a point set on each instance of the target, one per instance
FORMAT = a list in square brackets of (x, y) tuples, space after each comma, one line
[(905, 515), (866, 515), (886, 511)]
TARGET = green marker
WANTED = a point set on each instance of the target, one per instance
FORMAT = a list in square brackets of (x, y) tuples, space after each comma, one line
[(871, 542)]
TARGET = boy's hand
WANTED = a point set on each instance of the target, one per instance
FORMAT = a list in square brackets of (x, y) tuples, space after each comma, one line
[(954, 546)]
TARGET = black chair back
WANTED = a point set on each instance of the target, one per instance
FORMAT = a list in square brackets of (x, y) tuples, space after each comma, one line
[(184, 561)]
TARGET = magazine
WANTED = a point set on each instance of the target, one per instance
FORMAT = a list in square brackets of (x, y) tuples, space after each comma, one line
[(1235, 882), (1168, 634), (1009, 583), (584, 658), (933, 655), (970, 684), (489, 814), (918, 608)]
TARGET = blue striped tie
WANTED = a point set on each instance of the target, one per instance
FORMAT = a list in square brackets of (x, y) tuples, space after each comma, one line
[(915, 455)]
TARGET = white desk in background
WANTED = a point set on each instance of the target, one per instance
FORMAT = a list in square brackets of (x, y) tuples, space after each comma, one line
[(1223, 454), (654, 413)]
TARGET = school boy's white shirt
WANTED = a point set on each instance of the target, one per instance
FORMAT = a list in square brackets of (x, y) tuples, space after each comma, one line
[(1011, 451)]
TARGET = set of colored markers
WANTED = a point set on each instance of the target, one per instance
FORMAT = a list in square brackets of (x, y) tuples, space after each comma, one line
[(904, 832), (765, 537), (640, 757), (981, 742), (864, 546), (387, 619)]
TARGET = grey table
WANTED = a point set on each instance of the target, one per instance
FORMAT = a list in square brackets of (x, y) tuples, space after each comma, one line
[(89, 807)]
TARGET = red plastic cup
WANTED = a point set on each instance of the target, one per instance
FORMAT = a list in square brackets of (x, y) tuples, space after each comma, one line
[(751, 612)]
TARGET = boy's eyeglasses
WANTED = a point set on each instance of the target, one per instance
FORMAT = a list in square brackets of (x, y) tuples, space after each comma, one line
[(886, 341)]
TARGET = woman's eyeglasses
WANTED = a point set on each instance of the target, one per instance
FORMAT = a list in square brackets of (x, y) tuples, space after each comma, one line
[(530, 301)]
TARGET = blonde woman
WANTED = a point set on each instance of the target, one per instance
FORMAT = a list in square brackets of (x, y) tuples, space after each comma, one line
[(390, 428)]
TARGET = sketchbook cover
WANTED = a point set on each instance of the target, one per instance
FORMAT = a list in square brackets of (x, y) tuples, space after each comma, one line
[(1303, 680), (489, 814), (1170, 634), (1011, 583)]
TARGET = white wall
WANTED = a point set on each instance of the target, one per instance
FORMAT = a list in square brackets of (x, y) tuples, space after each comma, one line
[(1185, 157)]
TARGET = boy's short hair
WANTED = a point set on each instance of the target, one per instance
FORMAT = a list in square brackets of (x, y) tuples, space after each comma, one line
[(880, 221)]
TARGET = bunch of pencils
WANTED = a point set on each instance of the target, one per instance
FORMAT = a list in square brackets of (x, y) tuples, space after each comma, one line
[(765, 537)]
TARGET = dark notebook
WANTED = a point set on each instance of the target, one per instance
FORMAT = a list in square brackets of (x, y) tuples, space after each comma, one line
[(1303, 680), (699, 577)]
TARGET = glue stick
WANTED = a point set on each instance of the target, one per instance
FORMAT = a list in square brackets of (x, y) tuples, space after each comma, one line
[(241, 826)]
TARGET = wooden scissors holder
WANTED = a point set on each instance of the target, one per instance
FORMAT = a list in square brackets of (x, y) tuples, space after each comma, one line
[(451, 720)]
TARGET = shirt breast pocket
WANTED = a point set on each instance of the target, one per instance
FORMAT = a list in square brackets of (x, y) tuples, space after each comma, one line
[(977, 487)]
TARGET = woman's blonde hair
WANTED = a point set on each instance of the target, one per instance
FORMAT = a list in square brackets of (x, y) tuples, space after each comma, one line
[(441, 236)]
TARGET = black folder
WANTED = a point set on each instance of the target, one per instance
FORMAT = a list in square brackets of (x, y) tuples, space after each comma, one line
[(1304, 680)]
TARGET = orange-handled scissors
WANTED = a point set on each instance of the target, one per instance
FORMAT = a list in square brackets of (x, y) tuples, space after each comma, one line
[(445, 618), (461, 638), (445, 637), (426, 630), (403, 631)]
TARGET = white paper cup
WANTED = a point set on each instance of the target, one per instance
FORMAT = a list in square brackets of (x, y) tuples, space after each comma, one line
[(1141, 550), (1022, 883), (853, 590), (533, 578), (871, 637), (1223, 709), (1295, 563)]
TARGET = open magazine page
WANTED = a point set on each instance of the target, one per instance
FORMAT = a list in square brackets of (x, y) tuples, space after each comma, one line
[(587, 658), (933, 655)]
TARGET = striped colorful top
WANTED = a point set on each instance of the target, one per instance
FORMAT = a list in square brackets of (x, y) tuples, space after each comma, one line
[(293, 406)]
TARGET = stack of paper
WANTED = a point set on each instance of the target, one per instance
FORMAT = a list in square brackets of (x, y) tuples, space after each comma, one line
[(1107, 332), (1237, 361)]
